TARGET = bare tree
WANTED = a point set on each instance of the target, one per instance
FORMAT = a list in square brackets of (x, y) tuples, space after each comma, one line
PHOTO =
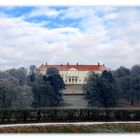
[(24, 97)]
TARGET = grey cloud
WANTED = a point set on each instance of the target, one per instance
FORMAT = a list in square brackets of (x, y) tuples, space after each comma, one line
[(23, 43)]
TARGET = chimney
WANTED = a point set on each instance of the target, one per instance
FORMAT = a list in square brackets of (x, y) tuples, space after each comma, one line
[(67, 63), (98, 64), (77, 63), (46, 63), (103, 64), (61, 65)]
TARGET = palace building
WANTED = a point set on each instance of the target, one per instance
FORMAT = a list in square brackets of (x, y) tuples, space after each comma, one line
[(74, 74)]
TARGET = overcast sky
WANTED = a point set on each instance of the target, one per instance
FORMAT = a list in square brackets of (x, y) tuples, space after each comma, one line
[(57, 35)]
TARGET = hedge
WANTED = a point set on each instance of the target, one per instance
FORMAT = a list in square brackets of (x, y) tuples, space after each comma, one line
[(68, 115)]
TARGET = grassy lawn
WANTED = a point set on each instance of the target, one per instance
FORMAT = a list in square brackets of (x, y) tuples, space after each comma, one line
[(97, 128)]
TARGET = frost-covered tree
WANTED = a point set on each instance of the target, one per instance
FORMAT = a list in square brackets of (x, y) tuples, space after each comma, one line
[(14, 93), (31, 73), (20, 74), (24, 97)]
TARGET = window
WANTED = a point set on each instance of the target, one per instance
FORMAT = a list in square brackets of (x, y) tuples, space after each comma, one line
[(76, 80)]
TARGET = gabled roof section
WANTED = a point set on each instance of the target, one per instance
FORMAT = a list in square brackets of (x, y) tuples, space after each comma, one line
[(79, 67)]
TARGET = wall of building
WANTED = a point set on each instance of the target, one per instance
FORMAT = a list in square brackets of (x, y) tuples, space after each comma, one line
[(73, 76)]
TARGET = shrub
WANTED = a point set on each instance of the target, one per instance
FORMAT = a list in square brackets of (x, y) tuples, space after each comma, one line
[(68, 115)]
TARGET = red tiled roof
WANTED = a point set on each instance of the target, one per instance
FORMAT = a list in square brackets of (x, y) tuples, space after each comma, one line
[(78, 67)]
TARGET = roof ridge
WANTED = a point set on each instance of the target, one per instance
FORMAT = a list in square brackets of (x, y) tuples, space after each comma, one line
[(79, 67)]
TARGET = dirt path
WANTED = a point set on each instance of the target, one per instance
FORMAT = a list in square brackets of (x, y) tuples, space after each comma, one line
[(61, 123)]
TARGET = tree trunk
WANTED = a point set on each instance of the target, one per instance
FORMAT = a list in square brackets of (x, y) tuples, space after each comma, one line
[(128, 99), (132, 103)]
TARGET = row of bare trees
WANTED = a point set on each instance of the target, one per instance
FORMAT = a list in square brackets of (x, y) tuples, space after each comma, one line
[(24, 88), (14, 90)]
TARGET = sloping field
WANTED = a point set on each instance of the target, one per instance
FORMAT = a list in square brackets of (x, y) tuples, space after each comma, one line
[(73, 89), (74, 101)]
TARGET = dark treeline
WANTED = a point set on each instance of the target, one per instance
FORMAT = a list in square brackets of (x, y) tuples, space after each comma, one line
[(22, 88), (106, 89), (128, 83)]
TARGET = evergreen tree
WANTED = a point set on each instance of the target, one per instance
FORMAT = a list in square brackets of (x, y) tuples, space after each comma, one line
[(128, 83), (57, 83), (122, 77), (42, 92), (91, 90), (52, 71), (101, 90), (108, 92), (134, 85)]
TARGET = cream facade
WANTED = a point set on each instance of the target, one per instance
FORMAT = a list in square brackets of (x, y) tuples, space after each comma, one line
[(74, 74)]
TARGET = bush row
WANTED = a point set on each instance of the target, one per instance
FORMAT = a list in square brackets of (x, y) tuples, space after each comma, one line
[(68, 115)]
